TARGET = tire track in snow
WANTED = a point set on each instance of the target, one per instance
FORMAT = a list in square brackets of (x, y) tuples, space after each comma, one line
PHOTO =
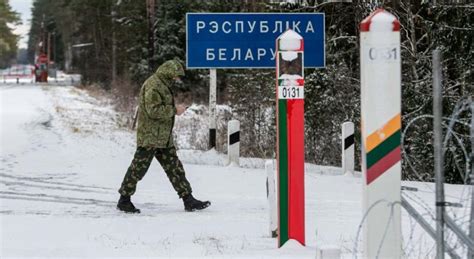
[(110, 205), (8, 183), (55, 198), (39, 180)]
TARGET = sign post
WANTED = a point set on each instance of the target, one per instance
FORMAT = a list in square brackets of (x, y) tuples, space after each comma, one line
[(212, 108), (290, 137), (381, 123)]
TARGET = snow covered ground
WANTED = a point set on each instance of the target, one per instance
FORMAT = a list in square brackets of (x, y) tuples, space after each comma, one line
[(63, 158)]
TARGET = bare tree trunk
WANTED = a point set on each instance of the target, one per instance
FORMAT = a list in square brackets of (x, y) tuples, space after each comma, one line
[(412, 39), (151, 28), (114, 45)]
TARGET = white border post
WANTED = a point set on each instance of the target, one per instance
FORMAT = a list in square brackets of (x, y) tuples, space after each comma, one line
[(233, 142), (381, 123), (212, 107), (348, 147), (271, 196)]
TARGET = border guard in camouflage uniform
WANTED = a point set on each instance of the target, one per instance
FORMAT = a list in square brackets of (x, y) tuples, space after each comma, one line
[(156, 111)]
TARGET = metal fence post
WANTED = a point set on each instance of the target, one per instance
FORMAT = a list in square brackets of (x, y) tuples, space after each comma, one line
[(438, 151)]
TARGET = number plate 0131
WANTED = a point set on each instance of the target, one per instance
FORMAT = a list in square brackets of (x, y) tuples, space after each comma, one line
[(290, 92)]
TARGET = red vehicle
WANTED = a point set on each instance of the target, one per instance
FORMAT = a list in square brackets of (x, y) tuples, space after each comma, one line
[(41, 68)]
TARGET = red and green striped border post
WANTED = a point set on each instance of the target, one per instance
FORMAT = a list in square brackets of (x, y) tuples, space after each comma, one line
[(380, 128), (290, 137)]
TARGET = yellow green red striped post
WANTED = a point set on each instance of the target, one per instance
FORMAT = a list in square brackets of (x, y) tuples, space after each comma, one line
[(383, 149), (380, 130)]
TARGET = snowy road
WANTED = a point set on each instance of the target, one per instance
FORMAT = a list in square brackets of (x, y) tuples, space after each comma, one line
[(62, 160)]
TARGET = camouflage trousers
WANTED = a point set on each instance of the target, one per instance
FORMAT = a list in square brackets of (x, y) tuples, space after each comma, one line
[(170, 162)]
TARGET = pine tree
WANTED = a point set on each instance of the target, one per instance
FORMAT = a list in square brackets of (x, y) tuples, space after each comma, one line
[(8, 40)]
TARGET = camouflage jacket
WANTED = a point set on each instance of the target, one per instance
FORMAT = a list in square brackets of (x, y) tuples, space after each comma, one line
[(156, 108)]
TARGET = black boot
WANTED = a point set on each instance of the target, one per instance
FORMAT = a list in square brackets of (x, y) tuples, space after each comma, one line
[(191, 204), (125, 204)]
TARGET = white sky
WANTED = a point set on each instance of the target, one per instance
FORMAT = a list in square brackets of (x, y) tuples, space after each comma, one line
[(23, 7)]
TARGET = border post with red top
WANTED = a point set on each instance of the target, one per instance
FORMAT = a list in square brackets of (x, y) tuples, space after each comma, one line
[(42, 68), (290, 137), (380, 128)]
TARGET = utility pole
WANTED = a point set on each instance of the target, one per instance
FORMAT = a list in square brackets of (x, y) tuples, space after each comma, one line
[(54, 48), (49, 48), (150, 4), (43, 38), (438, 151)]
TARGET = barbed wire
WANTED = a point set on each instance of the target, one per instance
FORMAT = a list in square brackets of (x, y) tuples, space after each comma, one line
[(390, 218), (407, 158), (460, 107), (421, 203), (410, 238), (451, 137), (361, 224)]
